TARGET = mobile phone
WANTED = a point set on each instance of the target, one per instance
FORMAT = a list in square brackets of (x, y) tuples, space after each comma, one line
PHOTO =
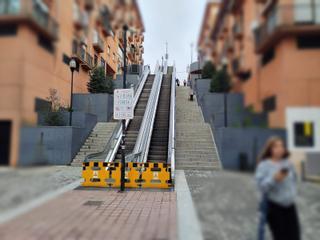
[(285, 170)]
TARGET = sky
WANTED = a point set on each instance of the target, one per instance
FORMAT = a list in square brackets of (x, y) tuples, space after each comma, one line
[(177, 22)]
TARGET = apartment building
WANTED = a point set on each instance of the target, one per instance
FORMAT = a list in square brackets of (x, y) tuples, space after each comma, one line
[(205, 43), (37, 40), (272, 50)]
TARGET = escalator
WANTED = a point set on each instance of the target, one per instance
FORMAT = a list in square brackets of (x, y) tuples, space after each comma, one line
[(149, 139), (135, 124), (158, 150)]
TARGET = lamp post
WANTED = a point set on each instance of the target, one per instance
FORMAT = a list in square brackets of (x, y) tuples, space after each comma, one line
[(225, 95), (73, 66), (123, 143)]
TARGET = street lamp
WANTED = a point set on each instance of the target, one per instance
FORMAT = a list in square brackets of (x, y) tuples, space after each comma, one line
[(72, 66), (123, 143)]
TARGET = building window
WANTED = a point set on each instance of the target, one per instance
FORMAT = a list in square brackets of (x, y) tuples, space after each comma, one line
[(11, 7), (308, 42), (66, 60), (8, 30), (304, 134), (42, 105), (114, 57), (109, 50), (46, 44), (95, 60), (103, 63), (267, 57), (269, 104)]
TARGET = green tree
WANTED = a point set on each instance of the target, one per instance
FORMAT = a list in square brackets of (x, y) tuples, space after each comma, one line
[(99, 82), (220, 81), (208, 70)]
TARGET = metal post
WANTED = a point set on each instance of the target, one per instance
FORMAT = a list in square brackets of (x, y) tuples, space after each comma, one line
[(71, 98), (162, 63), (123, 143)]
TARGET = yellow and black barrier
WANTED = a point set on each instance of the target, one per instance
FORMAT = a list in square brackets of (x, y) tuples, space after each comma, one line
[(138, 175)]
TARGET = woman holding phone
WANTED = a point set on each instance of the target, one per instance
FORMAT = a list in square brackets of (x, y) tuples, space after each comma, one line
[(276, 179)]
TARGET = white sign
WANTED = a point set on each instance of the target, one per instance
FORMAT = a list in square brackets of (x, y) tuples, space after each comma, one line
[(123, 104)]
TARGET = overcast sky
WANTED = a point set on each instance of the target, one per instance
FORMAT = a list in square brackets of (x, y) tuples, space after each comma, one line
[(176, 21)]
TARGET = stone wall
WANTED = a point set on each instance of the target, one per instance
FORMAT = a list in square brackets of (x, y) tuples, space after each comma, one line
[(100, 105), (240, 147), (54, 145)]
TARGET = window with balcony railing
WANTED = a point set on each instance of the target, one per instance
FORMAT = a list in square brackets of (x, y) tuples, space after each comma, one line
[(289, 17), (35, 11), (10, 6)]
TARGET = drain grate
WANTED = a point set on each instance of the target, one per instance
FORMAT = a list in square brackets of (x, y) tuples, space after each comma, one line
[(93, 203)]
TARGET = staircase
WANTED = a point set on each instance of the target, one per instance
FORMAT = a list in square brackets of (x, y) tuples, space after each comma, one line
[(195, 148), (96, 141), (158, 151), (134, 126)]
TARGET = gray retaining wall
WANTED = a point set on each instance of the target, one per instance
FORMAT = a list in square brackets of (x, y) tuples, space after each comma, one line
[(100, 105), (240, 147), (54, 145)]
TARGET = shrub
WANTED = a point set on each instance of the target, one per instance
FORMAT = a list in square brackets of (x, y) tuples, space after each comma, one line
[(220, 81), (54, 119), (99, 82), (208, 70)]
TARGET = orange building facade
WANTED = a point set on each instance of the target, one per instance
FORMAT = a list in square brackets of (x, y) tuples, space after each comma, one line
[(272, 50), (37, 40), (205, 43)]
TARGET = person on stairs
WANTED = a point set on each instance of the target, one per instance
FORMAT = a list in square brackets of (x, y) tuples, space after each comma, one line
[(177, 82), (276, 179)]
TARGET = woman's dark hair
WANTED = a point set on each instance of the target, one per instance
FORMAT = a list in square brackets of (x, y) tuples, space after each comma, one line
[(266, 153)]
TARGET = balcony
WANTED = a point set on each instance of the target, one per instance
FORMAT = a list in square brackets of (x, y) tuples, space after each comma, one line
[(230, 45), (82, 56), (31, 12), (97, 42), (284, 20), (89, 4), (240, 70), (104, 19), (80, 18), (237, 30)]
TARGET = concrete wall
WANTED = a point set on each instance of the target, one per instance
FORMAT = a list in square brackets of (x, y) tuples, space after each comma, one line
[(213, 105), (234, 142), (131, 79), (100, 105), (54, 145)]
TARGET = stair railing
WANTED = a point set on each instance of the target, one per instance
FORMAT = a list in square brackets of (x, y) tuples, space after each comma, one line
[(141, 149), (110, 150), (172, 124)]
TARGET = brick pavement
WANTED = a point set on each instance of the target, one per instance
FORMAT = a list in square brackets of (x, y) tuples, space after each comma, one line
[(98, 214)]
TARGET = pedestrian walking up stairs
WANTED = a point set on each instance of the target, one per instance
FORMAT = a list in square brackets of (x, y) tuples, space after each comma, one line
[(195, 146), (96, 142)]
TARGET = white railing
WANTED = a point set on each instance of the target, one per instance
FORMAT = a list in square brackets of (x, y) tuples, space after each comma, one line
[(113, 144), (172, 125)]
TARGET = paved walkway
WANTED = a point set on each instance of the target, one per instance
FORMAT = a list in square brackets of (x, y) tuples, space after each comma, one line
[(227, 203), (98, 214), (19, 186)]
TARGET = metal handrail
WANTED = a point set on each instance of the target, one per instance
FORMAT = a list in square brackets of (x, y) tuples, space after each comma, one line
[(141, 149), (172, 124), (113, 143)]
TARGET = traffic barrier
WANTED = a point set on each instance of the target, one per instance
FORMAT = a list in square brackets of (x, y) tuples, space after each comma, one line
[(138, 175)]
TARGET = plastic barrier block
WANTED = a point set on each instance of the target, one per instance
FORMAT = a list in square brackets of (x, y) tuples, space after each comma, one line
[(137, 175)]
